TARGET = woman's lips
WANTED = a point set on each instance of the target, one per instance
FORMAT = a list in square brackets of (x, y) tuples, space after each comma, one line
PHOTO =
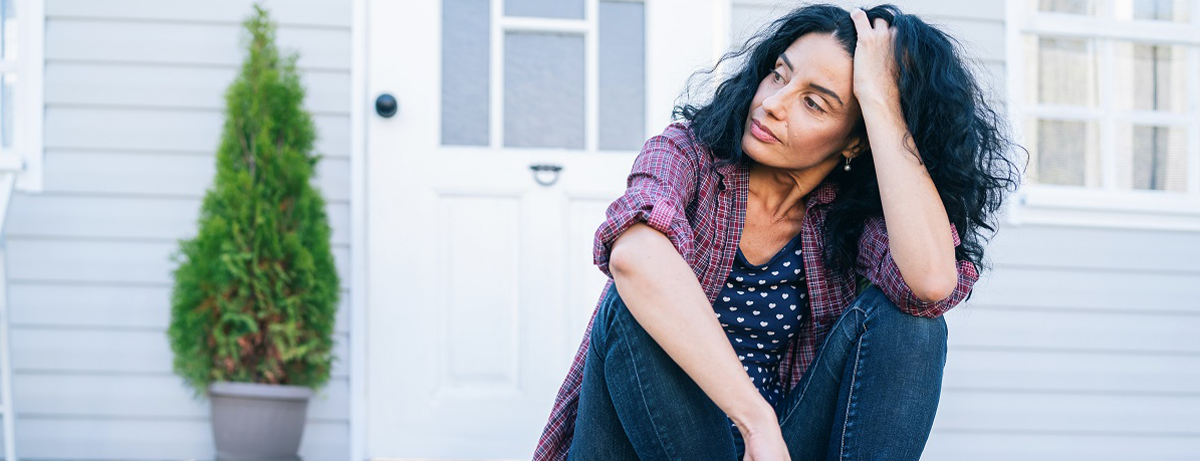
[(761, 132)]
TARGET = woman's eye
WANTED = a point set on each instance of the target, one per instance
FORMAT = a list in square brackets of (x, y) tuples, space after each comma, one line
[(813, 104), (776, 77)]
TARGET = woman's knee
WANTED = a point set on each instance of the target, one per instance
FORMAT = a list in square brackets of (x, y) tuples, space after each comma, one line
[(885, 316), (615, 323), (602, 324)]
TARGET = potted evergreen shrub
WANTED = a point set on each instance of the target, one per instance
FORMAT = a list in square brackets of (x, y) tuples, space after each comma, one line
[(256, 291)]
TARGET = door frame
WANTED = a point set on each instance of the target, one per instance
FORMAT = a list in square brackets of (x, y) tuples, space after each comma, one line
[(660, 86), (359, 111)]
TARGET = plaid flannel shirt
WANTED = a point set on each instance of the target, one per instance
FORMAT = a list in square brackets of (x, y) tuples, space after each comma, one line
[(675, 188)]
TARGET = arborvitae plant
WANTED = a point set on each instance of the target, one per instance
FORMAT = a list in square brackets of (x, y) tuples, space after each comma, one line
[(256, 290)]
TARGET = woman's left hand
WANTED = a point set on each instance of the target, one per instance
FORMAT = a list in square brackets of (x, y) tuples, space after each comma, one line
[(875, 75)]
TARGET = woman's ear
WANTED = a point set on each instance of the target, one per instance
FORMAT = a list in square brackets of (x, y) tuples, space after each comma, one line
[(855, 146)]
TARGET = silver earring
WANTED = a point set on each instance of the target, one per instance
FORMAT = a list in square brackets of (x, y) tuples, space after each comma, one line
[(847, 167)]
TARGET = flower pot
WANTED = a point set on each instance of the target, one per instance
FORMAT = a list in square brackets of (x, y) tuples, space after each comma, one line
[(258, 422)]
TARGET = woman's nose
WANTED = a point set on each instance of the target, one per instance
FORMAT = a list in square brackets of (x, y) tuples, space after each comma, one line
[(774, 105)]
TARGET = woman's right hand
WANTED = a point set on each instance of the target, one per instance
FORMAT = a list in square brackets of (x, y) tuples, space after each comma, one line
[(764, 442)]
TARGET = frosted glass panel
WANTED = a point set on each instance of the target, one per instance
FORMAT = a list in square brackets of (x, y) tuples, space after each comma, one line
[(1151, 77), (7, 84), (1083, 7), (8, 30), (562, 9), (1152, 157), (465, 60), (1064, 71), (543, 90), (1064, 152), (622, 75)]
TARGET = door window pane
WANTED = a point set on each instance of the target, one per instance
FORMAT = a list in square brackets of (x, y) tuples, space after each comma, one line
[(622, 75), (7, 85), (561, 9), (465, 77), (1152, 157), (1081, 7), (1151, 77), (8, 30), (543, 90), (1064, 71), (1064, 152)]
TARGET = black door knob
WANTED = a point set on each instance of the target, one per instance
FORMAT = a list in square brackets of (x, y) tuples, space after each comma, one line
[(386, 105)]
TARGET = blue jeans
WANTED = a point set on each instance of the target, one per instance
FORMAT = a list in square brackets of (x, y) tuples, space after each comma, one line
[(870, 393)]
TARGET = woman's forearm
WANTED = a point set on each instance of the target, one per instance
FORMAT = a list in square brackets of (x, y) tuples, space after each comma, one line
[(917, 225), (664, 296)]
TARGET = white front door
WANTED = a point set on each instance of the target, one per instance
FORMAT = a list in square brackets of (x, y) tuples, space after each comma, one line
[(517, 123)]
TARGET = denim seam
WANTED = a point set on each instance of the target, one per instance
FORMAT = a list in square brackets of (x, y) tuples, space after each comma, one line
[(594, 348), (850, 392), (607, 317), (593, 355), (637, 376), (815, 361)]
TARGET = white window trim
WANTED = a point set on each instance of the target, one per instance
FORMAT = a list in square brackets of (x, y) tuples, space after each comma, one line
[(1108, 208), (26, 152)]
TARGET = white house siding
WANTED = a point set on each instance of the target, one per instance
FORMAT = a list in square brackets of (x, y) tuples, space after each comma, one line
[(1081, 344), (134, 99)]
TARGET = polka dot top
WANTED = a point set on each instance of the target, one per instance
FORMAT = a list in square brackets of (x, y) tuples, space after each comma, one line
[(761, 308)]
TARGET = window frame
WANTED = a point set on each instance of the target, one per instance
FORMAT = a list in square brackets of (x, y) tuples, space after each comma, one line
[(27, 149), (1105, 206)]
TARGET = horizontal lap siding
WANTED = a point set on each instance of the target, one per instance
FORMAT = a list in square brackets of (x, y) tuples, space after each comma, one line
[(134, 93), (1081, 343)]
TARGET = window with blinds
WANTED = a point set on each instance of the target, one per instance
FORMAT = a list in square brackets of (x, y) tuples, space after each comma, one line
[(1110, 94)]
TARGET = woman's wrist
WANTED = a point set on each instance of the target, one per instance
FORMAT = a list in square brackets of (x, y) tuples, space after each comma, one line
[(878, 106), (759, 418)]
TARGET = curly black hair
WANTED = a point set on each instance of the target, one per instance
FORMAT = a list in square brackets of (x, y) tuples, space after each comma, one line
[(963, 143)]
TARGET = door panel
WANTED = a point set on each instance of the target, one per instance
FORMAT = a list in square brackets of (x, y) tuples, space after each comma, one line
[(480, 275)]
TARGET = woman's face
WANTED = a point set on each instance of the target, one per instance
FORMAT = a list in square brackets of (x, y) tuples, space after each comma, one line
[(804, 110)]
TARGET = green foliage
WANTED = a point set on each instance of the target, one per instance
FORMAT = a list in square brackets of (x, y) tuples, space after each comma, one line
[(256, 289)]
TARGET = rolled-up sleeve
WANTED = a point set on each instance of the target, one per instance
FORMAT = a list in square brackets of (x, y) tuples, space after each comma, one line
[(876, 264), (658, 189)]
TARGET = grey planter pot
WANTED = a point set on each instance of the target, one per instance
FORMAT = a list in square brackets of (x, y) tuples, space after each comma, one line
[(258, 422)]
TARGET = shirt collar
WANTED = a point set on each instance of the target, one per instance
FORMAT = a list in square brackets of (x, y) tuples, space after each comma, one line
[(824, 193)]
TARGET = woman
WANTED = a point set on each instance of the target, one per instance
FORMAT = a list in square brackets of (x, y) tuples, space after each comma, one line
[(827, 206)]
